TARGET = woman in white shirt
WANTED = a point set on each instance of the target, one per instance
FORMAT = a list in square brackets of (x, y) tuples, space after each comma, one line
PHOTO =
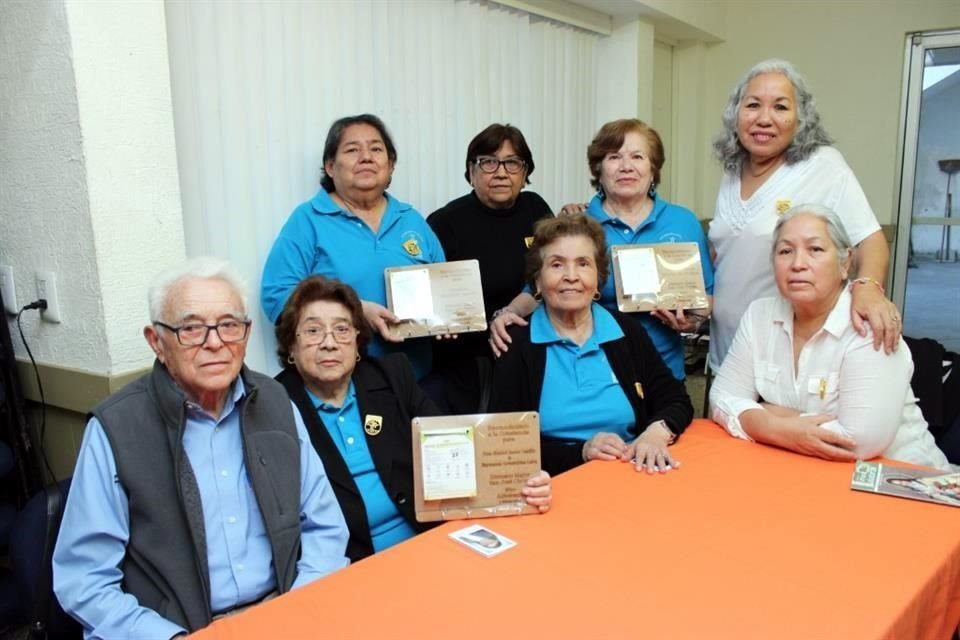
[(798, 376), (775, 154)]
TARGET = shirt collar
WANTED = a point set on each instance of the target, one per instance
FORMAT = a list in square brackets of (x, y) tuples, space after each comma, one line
[(837, 320), (326, 407), (605, 327), (595, 209), (233, 397), (323, 204)]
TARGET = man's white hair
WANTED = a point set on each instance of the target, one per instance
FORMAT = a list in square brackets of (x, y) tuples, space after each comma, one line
[(200, 268)]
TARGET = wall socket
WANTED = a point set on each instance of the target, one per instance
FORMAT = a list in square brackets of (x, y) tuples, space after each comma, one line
[(9, 292), (47, 289)]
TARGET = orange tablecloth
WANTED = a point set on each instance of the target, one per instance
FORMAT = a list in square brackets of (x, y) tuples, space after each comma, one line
[(743, 541)]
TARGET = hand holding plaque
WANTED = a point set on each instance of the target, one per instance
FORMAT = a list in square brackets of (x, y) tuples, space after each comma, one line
[(475, 466), (666, 275), (435, 299)]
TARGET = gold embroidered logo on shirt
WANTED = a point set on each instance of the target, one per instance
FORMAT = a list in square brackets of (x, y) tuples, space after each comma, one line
[(373, 424), (782, 207), (411, 247), (528, 241)]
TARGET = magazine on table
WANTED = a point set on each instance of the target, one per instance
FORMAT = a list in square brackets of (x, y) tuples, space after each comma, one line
[(904, 482)]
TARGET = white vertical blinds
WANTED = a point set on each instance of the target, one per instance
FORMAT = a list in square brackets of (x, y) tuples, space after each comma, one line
[(256, 84)]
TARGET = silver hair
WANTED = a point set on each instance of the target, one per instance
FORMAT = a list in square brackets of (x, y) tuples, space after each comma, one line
[(809, 135), (836, 231), (200, 268)]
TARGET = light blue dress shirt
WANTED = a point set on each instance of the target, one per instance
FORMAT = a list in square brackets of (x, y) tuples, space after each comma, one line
[(666, 223), (321, 238), (387, 526), (95, 528), (581, 395)]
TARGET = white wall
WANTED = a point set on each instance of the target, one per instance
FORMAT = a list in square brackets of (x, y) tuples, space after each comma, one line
[(44, 212), (88, 176), (851, 54), (126, 115)]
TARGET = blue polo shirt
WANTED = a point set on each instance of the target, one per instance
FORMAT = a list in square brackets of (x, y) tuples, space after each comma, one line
[(666, 223), (581, 394), (387, 526), (321, 238)]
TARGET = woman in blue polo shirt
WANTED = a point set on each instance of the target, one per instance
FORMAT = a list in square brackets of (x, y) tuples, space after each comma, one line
[(357, 411), (352, 230), (601, 388), (625, 160)]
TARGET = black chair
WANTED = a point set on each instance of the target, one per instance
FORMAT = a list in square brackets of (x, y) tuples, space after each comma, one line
[(936, 383), (31, 554)]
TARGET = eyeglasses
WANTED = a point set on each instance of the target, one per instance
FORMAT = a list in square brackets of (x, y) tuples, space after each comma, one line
[(194, 334), (488, 164), (315, 334)]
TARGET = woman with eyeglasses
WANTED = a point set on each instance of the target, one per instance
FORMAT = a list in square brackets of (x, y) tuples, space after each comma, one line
[(494, 225), (357, 410)]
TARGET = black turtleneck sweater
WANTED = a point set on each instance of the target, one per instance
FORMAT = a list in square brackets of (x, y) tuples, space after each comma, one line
[(470, 230)]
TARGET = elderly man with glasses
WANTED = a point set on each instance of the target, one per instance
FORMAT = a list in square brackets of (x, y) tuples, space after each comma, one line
[(196, 492)]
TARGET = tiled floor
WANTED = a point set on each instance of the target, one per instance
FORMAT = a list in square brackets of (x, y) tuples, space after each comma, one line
[(932, 307)]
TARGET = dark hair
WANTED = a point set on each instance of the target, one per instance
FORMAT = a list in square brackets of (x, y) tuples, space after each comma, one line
[(610, 138), (546, 230), (335, 135), (490, 139), (314, 289)]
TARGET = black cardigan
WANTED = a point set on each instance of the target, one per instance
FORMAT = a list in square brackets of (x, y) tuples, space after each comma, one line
[(385, 387), (518, 383)]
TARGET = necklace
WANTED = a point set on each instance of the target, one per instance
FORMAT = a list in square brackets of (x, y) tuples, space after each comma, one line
[(770, 166)]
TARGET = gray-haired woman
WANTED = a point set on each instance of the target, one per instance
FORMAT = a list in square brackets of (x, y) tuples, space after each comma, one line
[(799, 377), (776, 154)]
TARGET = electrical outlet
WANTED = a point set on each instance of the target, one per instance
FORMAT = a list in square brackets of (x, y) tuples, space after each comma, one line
[(9, 292), (47, 289)]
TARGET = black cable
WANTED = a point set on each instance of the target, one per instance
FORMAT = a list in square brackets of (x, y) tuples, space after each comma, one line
[(38, 304)]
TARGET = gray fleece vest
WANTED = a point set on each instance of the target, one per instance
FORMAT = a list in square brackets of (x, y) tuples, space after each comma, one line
[(165, 565)]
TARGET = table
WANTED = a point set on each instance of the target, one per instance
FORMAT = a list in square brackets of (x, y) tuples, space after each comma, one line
[(743, 541)]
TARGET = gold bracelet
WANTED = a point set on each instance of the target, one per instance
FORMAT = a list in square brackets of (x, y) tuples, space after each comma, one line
[(865, 280)]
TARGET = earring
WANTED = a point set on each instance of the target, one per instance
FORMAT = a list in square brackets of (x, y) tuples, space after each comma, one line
[(537, 295), (358, 357), (601, 192), (596, 295), (652, 191), (290, 360)]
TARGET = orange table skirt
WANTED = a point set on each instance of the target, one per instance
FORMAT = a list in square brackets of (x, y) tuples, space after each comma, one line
[(743, 541)]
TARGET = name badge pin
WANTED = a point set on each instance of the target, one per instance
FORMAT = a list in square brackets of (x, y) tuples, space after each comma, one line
[(823, 387), (373, 424)]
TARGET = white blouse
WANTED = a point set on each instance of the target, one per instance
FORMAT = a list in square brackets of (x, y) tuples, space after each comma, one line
[(838, 373), (741, 232)]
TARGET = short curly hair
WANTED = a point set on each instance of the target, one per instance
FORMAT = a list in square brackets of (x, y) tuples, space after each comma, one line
[(810, 134), (315, 289), (547, 230), (610, 138)]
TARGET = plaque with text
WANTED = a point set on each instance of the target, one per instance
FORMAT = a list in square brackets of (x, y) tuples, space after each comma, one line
[(667, 275), (438, 298), (474, 466)]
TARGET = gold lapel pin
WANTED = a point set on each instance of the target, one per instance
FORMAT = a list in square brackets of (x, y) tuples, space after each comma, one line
[(639, 388), (372, 424)]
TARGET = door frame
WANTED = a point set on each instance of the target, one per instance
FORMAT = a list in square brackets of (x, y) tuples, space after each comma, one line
[(916, 48)]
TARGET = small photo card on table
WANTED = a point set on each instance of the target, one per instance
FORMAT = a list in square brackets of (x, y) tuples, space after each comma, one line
[(484, 541)]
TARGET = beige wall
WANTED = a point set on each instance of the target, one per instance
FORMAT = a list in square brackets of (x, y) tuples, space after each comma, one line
[(851, 53)]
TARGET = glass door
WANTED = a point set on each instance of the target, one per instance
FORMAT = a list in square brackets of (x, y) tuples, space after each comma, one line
[(926, 274)]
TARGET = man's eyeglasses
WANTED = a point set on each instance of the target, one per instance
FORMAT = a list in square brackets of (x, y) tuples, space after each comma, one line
[(488, 164), (194, 334), (315, 334)]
